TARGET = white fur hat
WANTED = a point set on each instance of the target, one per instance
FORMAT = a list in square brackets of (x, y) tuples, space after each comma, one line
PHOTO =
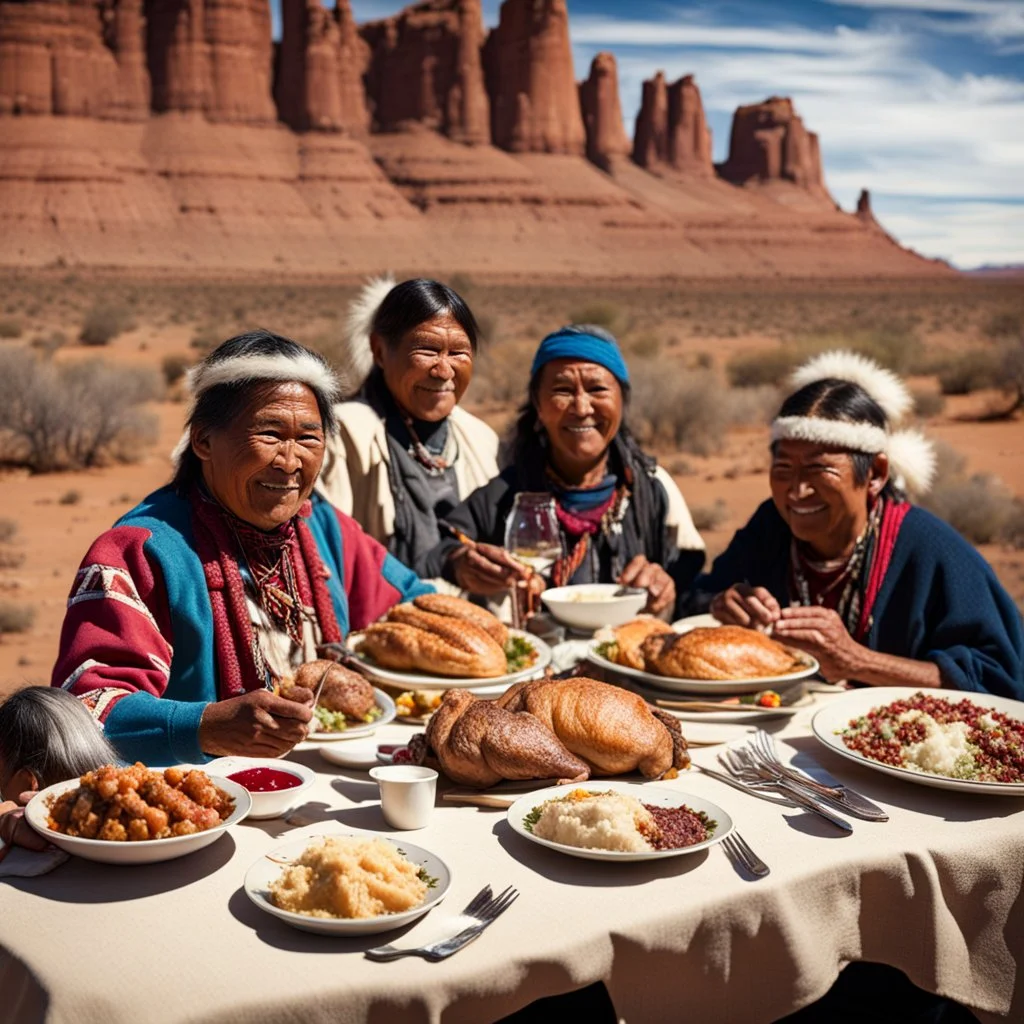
[(911, 455), (358, 327)]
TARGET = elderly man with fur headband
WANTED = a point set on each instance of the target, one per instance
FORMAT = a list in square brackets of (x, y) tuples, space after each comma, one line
[(185, 613), (839, 564), (406, 452)]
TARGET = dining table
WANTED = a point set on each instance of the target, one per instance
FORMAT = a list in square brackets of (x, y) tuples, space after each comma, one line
[(935, 891)]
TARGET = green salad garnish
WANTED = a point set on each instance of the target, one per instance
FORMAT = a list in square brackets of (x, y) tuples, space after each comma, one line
[(519, 653), (429, 879), (532, 818), (335, 721), (609, 650)]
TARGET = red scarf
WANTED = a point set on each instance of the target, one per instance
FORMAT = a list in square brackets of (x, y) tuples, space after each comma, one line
[(582, 525), (892, 519), (235, 645)]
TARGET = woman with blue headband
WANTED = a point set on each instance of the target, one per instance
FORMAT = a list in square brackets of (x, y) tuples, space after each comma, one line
[(621, 516)]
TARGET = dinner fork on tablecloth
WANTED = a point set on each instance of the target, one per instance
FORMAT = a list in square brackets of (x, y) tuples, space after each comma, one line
[(739, 851), (482, 911)]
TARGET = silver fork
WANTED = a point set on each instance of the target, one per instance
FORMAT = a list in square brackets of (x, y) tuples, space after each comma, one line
[(763, 748), (739, 850), (745, 767), (484, 907)]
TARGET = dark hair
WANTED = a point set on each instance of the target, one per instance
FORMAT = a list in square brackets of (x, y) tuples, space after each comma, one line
[(51, 733), (526, 445), (413, 302), (834, 399), (218, 406)]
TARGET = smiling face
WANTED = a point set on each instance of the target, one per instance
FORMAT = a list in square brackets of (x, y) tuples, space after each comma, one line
[(263, 466), (429, 369), (579, 404), (816, 493)]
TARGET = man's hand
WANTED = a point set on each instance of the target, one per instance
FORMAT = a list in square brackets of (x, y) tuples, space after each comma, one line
[(256, 724), (486, 569), (15, 830), (822, 634), (660, 587), (744, 605)]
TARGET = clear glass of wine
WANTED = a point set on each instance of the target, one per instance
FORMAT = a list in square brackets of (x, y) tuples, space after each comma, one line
[(532, 536)]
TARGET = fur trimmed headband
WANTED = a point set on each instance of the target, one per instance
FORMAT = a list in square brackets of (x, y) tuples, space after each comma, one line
[(911, 455), (359, 326), (304, 367)]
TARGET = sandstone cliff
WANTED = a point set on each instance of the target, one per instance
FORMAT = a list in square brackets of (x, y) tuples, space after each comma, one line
[(770, 143), (528, 62), (425, 67), (602, 112)]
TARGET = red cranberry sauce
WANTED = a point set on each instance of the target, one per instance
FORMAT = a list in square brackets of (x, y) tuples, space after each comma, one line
[(265, 780)]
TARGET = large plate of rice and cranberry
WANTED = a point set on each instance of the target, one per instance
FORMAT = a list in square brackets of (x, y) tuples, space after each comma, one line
[(950, 739)]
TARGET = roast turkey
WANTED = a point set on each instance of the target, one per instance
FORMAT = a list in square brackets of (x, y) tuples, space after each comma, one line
[(629, 637), (722, 652), (457, 608)]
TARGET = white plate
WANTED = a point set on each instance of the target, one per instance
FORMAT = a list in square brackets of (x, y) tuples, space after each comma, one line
[(836, 716), (149, 851), (357, 754), (646, 793), (274, 803), (695, 622), (259, 877), (354, 732), (727, 686), (569, 605), (493, 686)]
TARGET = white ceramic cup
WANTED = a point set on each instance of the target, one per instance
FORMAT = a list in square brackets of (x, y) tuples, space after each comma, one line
[(406, 794)]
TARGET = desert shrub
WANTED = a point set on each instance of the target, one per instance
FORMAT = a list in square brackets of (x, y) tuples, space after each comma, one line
[(970, 371), (608, 315), (1004, 325), (646, 346), (501, 374), (11, 558), (174, 367), (683, 410), (8, 530), (47, 344), (10, 328), (16, 617), (74, 416), (710, 517), (104, 322), (753, 406), (928, 403), (71, 497), (679, 465), (761, 369), (979, 506)]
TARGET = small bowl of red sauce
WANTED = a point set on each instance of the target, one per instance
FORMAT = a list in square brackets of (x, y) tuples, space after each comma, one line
[(275, 786)]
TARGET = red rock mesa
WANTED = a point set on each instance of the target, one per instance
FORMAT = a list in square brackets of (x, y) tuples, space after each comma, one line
[(602, 112), (426, 66)]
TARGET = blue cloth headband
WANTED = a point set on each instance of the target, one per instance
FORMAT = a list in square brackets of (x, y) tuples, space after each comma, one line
[(581, 346)]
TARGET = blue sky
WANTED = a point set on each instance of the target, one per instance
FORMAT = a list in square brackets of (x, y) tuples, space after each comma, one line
[(921, 101)]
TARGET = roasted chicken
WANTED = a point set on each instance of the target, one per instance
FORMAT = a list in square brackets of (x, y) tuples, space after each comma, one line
[(434, 644), (344, 691), (457, 608), (613, 730), (723, 652), (630, 636), (477, 743)]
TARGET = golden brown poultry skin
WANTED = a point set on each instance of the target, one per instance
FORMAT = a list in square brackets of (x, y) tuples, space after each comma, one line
[(722, 652), (457, 608), (630, 636), (477, 743), (344, 691), (461, 650), (613, 730)]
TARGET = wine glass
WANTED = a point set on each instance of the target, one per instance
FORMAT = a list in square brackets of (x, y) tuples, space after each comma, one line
[(532, 536)]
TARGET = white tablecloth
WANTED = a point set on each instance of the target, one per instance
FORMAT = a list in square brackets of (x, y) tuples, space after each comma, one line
[(936, 892)]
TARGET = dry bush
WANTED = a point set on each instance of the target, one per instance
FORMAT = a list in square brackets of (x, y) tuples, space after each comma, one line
[(970, 371), (1005, 324), (74, 416), (754, 406), (928, 403), (104, 322), (8, 530), (761, 369), (11, 558), (15, 617), (501, 374), (10, 328), (646, 346), (71, 497), (47, 344), (684, 410), (608, 315), (174, 367), (710, 517)]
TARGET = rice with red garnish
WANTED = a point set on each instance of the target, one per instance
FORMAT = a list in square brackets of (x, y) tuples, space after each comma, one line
[(934, 735)]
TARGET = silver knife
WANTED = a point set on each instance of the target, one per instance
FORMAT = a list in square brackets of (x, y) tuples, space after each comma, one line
[(839, 796)]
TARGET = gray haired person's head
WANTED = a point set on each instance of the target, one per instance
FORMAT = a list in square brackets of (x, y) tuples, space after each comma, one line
[(50, 733)]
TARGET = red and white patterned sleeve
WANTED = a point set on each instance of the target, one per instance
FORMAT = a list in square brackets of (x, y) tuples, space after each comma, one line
[(116, 639)]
